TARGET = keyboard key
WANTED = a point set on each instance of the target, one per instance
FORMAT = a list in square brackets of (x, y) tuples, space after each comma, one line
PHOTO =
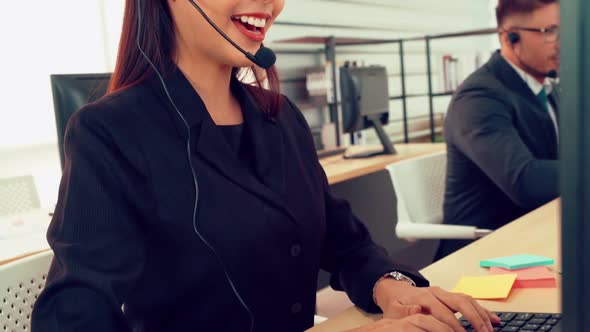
[(507, 316), (543, 316), (524, 316), (556, 316), (510, 329), (551, 321), (533, 327), (516, 323), (465, 323), (539, 321), (545, 328)]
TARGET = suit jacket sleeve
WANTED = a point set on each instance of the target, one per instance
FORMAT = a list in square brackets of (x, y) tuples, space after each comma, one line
[(349, 254), (94, 234), (482, 129)]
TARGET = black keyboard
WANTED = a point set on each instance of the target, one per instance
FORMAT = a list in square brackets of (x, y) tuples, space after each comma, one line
[(523, 322)]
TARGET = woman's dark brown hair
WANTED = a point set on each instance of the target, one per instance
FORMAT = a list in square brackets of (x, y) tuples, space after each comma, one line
[(157, 40)]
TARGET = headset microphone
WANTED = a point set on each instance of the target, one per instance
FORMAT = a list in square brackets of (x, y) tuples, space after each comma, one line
[(264, 57), (514, 38)]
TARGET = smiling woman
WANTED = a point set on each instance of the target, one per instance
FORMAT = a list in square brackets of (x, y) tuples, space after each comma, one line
[(193, 201)]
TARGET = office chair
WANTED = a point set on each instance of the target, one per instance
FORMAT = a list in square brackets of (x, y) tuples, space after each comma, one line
[(419, 184), (70, 93), (21, 282), (18, 195)]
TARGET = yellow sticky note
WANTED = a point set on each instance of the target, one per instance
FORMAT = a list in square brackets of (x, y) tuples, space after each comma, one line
[(486, 287)]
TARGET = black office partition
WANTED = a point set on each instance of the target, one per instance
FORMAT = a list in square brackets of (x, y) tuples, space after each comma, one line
[(575, 162)]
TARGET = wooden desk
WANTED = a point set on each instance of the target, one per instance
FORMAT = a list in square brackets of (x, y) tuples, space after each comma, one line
[(339, 169), (537, 233)]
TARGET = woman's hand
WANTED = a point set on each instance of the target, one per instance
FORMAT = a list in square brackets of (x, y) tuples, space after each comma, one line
[(440, 304)]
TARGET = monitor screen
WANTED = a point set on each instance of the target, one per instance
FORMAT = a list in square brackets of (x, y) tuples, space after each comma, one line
[(365, 92), (70, 93), (374, 90)]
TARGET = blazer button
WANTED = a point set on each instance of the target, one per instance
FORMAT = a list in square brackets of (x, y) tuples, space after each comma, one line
[(296, 308), (295, 250)]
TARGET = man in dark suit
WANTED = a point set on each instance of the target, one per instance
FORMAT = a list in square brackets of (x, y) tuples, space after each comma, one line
[(502, 128)]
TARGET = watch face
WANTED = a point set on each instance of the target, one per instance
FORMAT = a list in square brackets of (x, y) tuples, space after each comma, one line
[(396, 275), (400, 277)]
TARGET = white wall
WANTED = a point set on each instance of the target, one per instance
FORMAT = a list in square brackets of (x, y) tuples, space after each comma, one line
[(72, 36), (40, 38)]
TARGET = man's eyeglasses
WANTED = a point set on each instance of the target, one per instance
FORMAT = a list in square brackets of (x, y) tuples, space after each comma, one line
[(551, 34)]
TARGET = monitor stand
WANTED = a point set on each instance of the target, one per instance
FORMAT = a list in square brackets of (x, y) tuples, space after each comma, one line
[(383, 138)]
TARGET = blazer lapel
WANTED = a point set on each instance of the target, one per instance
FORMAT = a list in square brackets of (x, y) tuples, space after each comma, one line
[(213, 149), (262, 133), (502, 69), (265, 176), (265, 139), (513, 81)]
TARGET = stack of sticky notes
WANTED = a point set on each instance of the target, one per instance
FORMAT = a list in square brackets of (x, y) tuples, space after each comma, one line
[(517, 262), (506, 273), (532, 277)]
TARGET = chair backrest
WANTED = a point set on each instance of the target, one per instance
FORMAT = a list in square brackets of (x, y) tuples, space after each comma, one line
[(70, 93), (21, 283), (419, 185), (18, 194)]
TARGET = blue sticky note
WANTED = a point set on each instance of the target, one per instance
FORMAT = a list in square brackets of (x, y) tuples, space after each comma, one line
[(517, 262)]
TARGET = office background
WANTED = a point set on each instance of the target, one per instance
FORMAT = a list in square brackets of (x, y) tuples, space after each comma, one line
[(66, 36), (40, 38)]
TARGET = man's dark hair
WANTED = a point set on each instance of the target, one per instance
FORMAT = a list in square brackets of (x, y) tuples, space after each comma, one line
[(508, 8)]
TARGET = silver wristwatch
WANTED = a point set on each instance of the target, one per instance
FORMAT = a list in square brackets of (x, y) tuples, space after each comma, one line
[(396, 276), (400, 277)]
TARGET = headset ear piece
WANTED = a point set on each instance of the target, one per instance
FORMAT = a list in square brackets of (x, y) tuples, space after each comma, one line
[(513, 37)]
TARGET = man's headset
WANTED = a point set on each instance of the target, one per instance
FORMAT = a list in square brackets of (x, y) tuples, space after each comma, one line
[(513, 39), (264, 58)]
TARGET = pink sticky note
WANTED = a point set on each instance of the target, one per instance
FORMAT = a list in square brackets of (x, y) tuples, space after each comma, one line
[(533, 277)]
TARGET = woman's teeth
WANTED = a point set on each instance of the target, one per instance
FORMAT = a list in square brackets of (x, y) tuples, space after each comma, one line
[(254, 21)]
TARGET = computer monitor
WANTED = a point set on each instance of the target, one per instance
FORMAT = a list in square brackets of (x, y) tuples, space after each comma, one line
[(365, 104), (574, 123), (70, 93)]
